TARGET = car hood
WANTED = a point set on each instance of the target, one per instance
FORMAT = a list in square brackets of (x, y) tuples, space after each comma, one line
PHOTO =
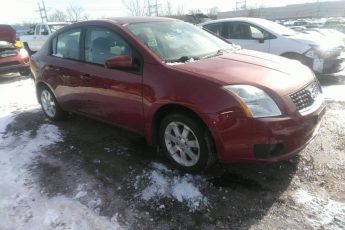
[(7, 34), (269, 72), (315, 40)]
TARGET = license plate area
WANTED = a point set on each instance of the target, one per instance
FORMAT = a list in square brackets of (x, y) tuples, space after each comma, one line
[(318, 117)]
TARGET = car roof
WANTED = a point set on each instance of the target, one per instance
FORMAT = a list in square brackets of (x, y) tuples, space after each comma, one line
[(243, 19), (131, 20)]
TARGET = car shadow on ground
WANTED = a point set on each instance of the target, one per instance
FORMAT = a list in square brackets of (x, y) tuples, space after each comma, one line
[(99, 165)]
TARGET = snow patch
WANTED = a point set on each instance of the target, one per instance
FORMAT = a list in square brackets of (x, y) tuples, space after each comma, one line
[(15, 98), (22, 204), (161, 182), (321, 212), (334, 92)]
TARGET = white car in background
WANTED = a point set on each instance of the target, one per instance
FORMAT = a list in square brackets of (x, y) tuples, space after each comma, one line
[(34, 38), (318, 53)]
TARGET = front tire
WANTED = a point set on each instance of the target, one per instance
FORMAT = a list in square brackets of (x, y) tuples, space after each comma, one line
[(185, 142), (50, 107)]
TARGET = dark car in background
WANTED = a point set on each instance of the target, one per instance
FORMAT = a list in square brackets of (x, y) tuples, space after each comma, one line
[(196, 96), (13, 57)]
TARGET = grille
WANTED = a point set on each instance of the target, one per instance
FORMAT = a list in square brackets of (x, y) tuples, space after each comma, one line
[(306, 97), (8, 53), (9, 63)]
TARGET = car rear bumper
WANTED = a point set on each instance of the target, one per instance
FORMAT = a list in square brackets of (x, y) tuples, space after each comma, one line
[(264, 140)]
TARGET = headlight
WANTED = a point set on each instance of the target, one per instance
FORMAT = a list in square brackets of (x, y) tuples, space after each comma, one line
[(23, 53), (322, 51), (254, 101)]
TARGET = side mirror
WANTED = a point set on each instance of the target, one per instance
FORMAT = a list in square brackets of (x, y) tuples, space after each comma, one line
[(44, 32), (259, 37), (119, 62)]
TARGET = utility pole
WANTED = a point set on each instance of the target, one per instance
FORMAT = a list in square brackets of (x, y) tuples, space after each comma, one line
[(152, 8), (43, 12), (241, 4)]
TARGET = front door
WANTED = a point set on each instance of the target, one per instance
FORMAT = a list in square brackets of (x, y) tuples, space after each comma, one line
[(113, 93)]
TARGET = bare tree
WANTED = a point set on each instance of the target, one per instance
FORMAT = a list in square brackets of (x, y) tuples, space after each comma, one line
[(168, 10), (76, 13), (57, 16), (136, 7), (180, 10), (212, 11), (194, 11)]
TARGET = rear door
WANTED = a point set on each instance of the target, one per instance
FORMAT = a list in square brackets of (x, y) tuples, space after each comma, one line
[(63, 69), (247, 35)]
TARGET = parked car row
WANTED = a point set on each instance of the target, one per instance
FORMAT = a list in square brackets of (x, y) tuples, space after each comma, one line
[(319, 53), (194, 95)]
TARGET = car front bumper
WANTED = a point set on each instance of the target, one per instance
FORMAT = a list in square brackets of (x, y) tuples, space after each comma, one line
[(263, 140), (328, 65), (14, 64)]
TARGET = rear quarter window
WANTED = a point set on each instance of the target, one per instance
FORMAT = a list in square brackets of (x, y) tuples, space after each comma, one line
[(66, 45)]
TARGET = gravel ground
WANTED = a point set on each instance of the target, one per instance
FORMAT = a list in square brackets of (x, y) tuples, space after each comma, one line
[(82, 174)]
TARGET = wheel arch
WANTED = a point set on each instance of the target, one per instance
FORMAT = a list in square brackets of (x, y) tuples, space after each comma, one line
[(39, 86), (166, 109)]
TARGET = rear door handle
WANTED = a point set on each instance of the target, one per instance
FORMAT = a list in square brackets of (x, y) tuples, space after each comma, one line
[(49, 67), (86, 76)]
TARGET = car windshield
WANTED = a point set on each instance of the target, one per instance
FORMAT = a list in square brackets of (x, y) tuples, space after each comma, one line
[(277, 28), (56, 27), (176, 41)]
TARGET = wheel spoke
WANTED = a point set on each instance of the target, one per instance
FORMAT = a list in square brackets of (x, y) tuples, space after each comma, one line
[(173, 149), (191, 155), (183, 157), (176, 130), (185, 132), (192, 144), (171, 137)]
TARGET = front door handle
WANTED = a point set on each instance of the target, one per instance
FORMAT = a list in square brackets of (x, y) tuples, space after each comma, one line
[(86, 76)]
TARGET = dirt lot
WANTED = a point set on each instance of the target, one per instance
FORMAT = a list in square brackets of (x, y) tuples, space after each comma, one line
[(82, 174)]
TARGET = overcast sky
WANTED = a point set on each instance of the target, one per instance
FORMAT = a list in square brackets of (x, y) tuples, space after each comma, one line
[(26, 10)]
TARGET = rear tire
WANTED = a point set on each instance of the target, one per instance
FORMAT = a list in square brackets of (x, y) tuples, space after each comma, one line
[(185, 142), (49, 105)]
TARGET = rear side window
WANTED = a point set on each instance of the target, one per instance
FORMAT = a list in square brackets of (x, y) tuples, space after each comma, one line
[(238, 30), (66, 45), (215, 28)]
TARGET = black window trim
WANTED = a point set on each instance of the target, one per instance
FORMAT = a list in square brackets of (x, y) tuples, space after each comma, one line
[(82, 48), (57, 40)]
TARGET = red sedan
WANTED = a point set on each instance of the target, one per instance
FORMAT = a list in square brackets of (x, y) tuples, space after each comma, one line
[(197, 97), (13, 57)]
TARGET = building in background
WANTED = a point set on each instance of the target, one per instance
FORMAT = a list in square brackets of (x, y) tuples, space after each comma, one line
[(307, 10)]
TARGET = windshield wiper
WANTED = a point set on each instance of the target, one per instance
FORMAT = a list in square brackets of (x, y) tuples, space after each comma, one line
[(218, 53), (183, 59)]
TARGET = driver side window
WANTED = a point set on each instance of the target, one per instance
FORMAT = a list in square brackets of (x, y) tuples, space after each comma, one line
[(238, 30), (102, 44)]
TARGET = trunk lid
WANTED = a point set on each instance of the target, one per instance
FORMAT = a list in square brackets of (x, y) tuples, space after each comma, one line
[(7, 34)]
